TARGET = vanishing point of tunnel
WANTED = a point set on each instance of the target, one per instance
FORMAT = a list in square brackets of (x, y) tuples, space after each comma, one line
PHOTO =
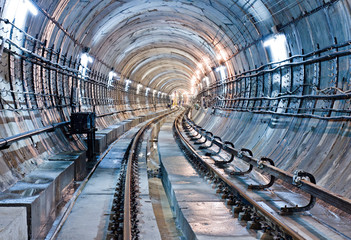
[(175, 119)]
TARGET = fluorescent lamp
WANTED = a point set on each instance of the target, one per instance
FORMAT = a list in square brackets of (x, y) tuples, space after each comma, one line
[(127, 84), (138, 88), (111, 75), (147, 91), (85, 59), (206, 80), (277, 46), (221, 70)]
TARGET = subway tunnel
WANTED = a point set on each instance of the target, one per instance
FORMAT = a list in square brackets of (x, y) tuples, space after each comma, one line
[(189, 84)]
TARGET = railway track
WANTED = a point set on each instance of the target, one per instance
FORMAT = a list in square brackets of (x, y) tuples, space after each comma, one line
[(268, 209), (124, 221), (263, 207), (117, 175)]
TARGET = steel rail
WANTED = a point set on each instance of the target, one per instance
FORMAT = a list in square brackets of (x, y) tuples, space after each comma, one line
[(127, 220), (259, 208), (325, 195), (69, 206)]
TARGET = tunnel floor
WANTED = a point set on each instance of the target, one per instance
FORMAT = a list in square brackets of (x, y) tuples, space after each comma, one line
[(176, 201)]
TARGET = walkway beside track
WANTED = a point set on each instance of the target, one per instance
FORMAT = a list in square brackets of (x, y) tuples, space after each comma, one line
[(201, 214), (90, 215)]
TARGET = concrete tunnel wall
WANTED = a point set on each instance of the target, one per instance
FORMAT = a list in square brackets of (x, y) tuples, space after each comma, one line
[(33, 97), (321, 147), (22, 113), (161, 44)]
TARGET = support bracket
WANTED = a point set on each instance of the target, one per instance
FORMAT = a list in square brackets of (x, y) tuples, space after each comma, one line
[(299, 175), (226, 143), (261, 166), (243, 151), (219, 148)]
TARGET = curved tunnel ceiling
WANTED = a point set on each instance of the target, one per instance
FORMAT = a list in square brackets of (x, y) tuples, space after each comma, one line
[(162, 44)]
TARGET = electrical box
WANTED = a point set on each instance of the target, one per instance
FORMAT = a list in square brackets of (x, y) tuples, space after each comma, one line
[(83, 122)]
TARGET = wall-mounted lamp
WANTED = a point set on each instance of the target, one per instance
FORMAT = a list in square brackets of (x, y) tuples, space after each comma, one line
[(206, 80), (221, 69), (30, 6), (127, 84), (85, 59), (147, 91), (138, 88), (277, 46), (111, 77)]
